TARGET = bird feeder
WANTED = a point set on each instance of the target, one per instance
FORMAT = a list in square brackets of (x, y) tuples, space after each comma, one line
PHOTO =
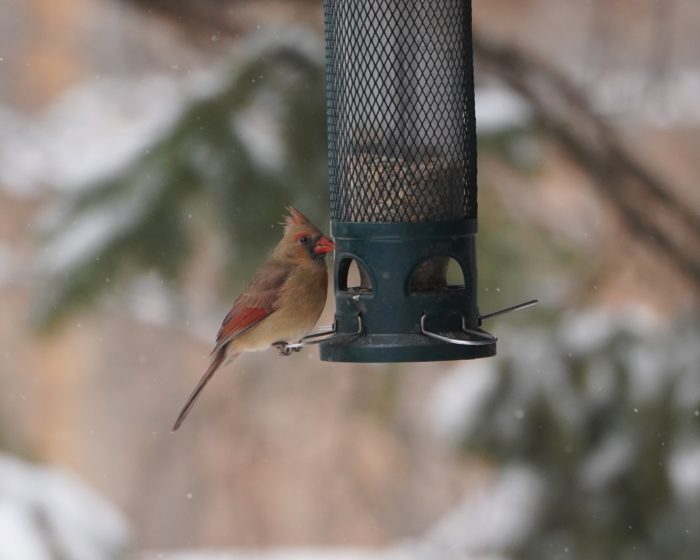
[(403, 189)]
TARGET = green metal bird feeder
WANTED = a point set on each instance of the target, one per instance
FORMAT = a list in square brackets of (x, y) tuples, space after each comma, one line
[(402, 165)]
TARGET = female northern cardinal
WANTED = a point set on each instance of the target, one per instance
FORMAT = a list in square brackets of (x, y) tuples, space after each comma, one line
[(282, 303)]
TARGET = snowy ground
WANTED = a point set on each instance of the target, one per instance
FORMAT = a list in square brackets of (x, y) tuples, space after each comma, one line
[(302, 554), (46, 514)]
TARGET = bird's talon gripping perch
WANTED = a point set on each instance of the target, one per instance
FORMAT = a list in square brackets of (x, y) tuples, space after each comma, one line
[(284, 348)]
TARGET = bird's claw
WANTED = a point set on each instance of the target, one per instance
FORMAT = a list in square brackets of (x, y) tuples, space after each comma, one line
[(284, 348)]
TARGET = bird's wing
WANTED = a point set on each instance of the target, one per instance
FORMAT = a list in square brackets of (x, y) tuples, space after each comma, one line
[(259, 300)]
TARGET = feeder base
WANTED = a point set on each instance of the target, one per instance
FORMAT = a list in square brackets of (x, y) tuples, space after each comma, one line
[(383, 348)]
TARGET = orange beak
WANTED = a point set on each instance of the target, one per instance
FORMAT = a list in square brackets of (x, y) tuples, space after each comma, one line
[(323, 245)]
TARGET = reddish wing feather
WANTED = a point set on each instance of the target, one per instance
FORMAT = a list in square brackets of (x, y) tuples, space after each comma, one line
[(256, 303), (239, 320)]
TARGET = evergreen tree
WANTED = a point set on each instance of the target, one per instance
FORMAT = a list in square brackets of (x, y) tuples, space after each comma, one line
[(252, 145)]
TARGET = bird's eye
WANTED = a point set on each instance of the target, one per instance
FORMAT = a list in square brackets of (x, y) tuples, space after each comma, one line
[(303, 239)]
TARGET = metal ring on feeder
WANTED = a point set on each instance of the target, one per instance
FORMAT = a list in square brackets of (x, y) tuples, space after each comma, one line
[(482, 338)]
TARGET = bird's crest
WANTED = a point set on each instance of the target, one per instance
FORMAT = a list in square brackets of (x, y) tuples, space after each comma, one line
[(295, 218)]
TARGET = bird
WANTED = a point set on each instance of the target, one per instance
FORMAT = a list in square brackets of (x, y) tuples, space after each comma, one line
[(282, 303)]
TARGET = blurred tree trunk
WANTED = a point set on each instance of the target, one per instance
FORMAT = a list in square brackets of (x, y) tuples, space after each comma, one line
[(661, 56), (53, 63), (52, 52), (63, 363)]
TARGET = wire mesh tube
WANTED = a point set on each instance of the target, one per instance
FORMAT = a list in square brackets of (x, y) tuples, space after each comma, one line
[(400, 103)]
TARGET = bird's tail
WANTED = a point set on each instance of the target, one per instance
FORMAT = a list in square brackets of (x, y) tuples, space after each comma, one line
[(217, 359)]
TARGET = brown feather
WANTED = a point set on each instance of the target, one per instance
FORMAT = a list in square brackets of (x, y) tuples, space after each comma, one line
[(296, 218), (258, 301), (216, 362)]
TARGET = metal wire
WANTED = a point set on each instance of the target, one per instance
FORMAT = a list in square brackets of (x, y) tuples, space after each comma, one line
[(401, 126)]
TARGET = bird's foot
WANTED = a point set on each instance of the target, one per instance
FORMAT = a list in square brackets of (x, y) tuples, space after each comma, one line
[(283, 348)]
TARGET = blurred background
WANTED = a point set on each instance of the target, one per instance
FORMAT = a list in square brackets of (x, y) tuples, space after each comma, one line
[(147, 151)]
